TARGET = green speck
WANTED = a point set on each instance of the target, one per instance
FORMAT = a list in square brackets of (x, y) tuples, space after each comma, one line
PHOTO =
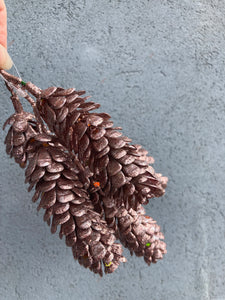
[(23, 83), (148, 244)]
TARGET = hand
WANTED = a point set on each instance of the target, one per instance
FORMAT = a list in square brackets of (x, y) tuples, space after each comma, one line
[(5, 60)]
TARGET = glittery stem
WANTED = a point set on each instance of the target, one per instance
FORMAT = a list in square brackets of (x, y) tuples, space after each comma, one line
[(35, 91), (15, 100), (30, 87)]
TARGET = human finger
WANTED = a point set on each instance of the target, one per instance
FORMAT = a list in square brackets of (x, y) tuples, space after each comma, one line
[(5, 60)]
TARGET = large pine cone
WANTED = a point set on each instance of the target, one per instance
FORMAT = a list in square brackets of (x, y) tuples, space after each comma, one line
[(57, 180), (118, 166)]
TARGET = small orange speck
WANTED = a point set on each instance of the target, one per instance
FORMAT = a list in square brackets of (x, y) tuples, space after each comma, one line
[(89, 124), (32, 140), (22, 164), (147, 217), (45, 144), (96, 184), (78, 120)]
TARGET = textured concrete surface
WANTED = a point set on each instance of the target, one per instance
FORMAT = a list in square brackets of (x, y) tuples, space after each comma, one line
[(157, 67)]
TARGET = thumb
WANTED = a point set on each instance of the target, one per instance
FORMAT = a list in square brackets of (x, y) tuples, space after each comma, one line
[(5, 60)]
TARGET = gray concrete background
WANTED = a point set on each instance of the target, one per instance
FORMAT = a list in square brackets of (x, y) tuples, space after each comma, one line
[(157, 67)]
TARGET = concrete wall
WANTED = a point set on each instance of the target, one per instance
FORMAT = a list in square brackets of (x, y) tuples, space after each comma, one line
[(157, 67)]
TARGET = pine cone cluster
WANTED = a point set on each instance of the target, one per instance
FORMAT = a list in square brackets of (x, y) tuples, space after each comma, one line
[(89, 177)]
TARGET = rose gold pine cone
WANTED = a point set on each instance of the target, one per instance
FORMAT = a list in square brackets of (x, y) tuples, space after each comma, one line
[(141, 235), (115, 163), (21, 130), (57, 182)]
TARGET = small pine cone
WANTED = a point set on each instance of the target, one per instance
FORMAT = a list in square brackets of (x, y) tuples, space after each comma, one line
[(114, 162), (141, 235), (22, 129)]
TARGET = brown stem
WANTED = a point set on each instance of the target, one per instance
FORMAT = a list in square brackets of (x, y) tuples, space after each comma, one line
[(10, 78), (29, 87), (40, 123), (15, 99)]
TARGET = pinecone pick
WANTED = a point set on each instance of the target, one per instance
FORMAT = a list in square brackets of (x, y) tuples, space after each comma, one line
[(91, 181)]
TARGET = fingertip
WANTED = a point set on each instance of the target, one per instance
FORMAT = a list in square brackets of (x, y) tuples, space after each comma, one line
[(5, 59)]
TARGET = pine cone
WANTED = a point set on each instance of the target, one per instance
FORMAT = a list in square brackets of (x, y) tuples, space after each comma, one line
[(140, 234), (22, 129), (115, 163), (56, 180)]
